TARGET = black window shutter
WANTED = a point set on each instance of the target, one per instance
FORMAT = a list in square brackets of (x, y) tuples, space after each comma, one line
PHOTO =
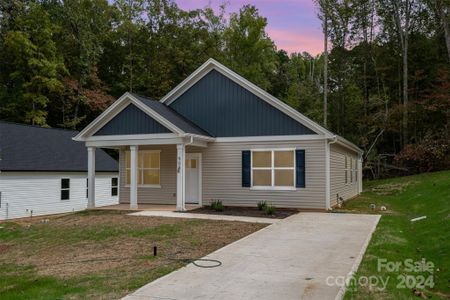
[(300, 168), (246, 158)]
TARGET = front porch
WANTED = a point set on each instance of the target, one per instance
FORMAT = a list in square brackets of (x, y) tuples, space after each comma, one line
[(139, 128), (155, 173)]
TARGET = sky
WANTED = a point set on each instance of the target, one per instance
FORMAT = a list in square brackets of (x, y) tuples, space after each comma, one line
[(292, 24)]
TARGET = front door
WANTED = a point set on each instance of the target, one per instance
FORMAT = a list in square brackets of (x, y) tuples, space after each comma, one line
[(193, 173)]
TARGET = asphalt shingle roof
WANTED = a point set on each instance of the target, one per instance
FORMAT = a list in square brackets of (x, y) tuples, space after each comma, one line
[(33, 148), (172, 116)]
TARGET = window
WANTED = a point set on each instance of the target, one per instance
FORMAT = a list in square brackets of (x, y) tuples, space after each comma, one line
[(114, 186), (273, 168), (148, 168), (351, 170), (65, 189), (346, 170)]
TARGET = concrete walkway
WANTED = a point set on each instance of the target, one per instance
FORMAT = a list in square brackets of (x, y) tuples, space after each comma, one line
[(290, 259), (188, 215)]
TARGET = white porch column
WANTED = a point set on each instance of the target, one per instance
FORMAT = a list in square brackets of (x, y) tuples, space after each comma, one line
[(91, 177), (133, 176), (181, 177)]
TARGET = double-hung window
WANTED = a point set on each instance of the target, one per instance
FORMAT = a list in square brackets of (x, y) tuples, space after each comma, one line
[(351, 170), (273, 169), (114, 186), (148, 168), (65, 188), (346, 169)]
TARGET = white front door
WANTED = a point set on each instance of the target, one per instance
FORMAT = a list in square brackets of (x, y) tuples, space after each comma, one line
[(193, 178)]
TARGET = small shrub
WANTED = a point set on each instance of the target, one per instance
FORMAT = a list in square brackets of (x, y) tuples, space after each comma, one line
[(217, 205), (262, 205), (269, 209)]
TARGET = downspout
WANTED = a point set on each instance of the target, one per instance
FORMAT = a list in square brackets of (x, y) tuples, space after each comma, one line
[(328, 142)]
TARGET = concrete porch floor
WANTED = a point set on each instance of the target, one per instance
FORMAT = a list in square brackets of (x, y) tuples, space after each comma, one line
[(147, 207)]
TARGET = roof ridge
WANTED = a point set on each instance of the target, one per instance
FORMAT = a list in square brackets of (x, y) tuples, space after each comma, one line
[(37, 126)]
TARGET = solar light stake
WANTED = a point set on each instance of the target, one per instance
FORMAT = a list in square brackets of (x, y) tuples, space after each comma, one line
[(155, 250)]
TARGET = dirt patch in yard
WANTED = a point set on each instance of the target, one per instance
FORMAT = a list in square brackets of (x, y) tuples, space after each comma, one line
[(112, 244), (4, 248), (280, 213)]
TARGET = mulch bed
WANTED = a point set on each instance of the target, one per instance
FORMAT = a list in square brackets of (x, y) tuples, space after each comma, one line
[(280, 213)]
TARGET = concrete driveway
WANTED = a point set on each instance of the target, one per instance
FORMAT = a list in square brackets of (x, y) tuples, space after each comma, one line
[(291, 259)]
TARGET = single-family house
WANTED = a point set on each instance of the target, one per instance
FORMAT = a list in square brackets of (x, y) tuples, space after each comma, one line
[(43, 171), (218, 136)]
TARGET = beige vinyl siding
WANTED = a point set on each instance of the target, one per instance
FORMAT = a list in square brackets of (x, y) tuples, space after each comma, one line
[(221, 176), (337, 174), (222, 180), (166, 194)]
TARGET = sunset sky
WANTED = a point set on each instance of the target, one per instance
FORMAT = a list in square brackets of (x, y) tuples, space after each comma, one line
[(292, 24)]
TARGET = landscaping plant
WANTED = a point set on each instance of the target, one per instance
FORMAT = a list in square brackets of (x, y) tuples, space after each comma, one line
[(269, 209), (262, 205), (217, 205)]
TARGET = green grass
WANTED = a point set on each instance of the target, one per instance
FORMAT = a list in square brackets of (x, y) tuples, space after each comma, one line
[(101, 254), (397, 238)]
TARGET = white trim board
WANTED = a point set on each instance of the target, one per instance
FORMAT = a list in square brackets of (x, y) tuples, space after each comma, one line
[(270, 138)]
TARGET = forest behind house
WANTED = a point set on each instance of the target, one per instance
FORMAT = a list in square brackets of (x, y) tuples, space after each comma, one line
[(385, 75)]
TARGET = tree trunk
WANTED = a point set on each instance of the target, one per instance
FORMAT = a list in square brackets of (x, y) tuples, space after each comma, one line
[(325, 71), (442, 12), (405, 90), (403, 32)]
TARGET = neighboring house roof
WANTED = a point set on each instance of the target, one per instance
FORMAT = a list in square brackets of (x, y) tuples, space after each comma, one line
[(32, 148)]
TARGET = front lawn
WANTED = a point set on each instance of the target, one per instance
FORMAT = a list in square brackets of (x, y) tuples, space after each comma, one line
[(102, 254), (397, 238)]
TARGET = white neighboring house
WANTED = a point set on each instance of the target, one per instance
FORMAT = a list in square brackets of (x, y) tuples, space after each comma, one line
[(43, 171)]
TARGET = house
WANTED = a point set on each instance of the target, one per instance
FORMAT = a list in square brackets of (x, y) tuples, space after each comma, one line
[(218, 136), (43, 171)]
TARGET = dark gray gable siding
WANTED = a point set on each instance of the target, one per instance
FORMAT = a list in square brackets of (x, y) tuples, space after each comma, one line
[(225, 109), (132, 120)]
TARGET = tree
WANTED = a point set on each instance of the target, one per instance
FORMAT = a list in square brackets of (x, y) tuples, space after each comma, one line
[(323, 15), (32, 70), (248, 49)]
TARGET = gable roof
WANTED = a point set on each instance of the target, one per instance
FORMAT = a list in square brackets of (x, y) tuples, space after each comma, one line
[(181, 126), (154, 109), (212, 64), (32, 148), (226, 109)]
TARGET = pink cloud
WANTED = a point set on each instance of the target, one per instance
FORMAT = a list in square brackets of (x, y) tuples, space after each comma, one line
[(296, 41), (292, 24)]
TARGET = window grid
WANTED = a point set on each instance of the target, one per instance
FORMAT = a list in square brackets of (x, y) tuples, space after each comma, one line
[(65, 189), (114, 186), (141, 168), (272, 168)]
